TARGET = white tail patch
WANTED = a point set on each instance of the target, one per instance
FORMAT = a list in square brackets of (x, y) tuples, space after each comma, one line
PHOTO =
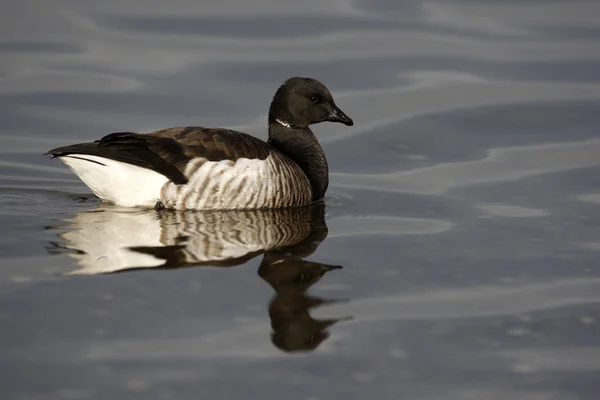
[(120, 183)]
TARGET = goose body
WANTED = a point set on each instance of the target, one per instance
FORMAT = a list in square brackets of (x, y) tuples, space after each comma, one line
[(207, 168)]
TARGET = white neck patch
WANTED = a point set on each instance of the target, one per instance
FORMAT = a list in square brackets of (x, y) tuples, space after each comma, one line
[(282, 123)]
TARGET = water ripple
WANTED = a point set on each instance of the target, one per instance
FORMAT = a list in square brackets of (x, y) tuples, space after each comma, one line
[(504, 164)]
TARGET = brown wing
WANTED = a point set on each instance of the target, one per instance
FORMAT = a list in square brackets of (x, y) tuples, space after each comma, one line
[(167, 151), (216, 144)]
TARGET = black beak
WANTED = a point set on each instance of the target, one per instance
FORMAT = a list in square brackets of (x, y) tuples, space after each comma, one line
[(338, 115)]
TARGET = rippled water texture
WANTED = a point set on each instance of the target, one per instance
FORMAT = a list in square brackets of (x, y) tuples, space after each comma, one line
[(456, 254)]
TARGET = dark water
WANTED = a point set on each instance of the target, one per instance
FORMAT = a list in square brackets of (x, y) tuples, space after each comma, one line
[(464, 206)]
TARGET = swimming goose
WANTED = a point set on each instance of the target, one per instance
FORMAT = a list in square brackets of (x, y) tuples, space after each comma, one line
[(207, 168)]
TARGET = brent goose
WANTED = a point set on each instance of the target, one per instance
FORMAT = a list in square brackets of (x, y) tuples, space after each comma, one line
[(206, 168)]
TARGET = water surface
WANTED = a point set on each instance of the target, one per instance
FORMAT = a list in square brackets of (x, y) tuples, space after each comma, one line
[(455, 255)]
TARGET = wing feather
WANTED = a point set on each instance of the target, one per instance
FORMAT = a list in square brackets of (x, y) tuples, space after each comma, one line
[(168, 151)]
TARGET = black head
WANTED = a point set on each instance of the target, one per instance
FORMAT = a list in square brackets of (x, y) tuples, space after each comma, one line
[(304, 101)]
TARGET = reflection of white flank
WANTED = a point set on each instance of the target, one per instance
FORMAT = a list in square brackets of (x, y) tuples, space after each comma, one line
[(503, 164), (104, 237), (102, 240)]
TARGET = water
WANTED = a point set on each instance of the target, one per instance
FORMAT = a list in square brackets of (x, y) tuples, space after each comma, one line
[(463, 208)]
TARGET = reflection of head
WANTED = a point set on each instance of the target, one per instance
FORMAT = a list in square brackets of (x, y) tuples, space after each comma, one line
[(290, 273), (291, 343), (294, 330)]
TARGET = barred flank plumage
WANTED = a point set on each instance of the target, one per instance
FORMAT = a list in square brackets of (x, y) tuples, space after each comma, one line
[(271, 183)]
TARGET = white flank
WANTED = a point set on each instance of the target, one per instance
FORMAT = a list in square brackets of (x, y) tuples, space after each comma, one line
[(121, 183)]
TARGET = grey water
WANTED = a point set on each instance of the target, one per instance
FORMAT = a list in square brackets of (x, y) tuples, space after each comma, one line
[(455, 255)]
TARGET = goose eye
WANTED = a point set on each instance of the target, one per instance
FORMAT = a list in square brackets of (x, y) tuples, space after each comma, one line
[(314, 98)]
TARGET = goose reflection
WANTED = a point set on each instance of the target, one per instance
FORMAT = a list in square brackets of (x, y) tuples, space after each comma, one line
[(109, 240), (294, 329)]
